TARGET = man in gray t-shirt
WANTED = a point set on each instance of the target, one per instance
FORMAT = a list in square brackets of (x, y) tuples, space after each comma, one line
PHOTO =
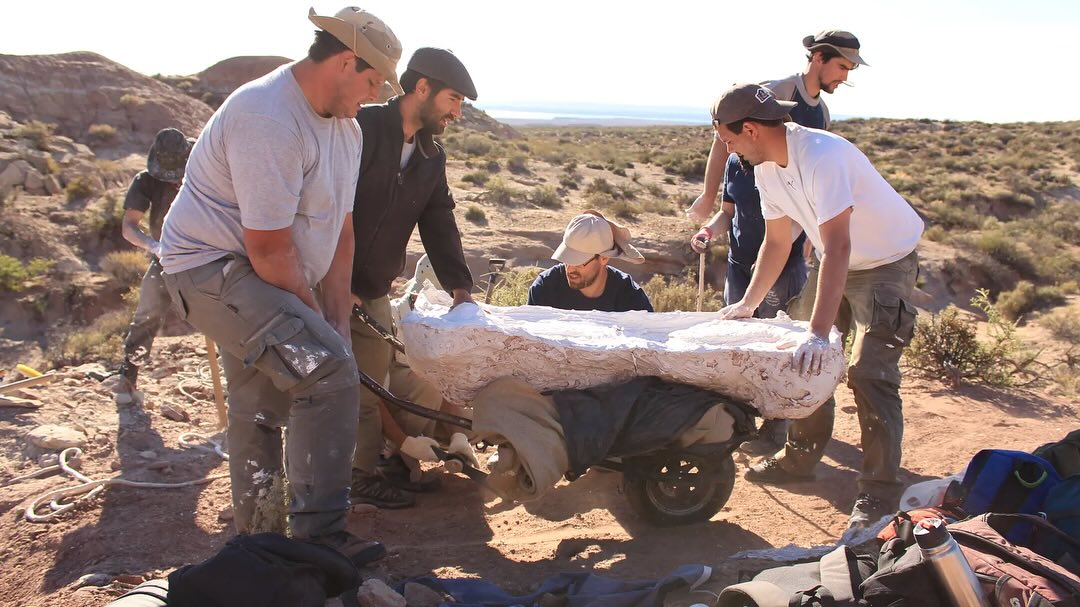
[(257, 254)]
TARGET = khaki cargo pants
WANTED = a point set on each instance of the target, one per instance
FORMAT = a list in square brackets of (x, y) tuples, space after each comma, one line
[(286, 368), (149, 315), (883, 321)]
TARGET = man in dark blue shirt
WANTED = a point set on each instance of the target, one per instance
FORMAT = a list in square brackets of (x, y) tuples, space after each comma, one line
[(583, 281)]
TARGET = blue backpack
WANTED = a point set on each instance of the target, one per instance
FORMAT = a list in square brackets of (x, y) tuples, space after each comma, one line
[(1062, 509), (1007, 482)]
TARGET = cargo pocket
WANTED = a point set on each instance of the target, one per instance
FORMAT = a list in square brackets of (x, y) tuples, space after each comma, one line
[(285, 350), (179, 305), (891, 328)]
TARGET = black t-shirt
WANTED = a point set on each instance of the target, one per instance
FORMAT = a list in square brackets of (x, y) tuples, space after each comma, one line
[(747, 230), (147, 193), (621, 293)]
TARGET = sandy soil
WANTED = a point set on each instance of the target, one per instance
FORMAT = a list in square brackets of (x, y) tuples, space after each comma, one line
[(131, 534)]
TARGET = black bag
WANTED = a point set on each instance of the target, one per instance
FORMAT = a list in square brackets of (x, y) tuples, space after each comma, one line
[(832, 581), (266, 569), (1064, 455)]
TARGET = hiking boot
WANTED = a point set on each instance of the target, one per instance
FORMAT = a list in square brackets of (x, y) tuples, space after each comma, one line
[(770, 471), (375, 490), (771, 438), (397, 473), (358, 550), (867, 511)]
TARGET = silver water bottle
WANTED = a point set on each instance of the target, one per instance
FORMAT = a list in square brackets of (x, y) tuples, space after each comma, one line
[(941, 550)]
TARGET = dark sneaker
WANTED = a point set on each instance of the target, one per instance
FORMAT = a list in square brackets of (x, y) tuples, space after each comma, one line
[(770, 471), (358, 550), (375, 490), (396, 472), (867, 511)]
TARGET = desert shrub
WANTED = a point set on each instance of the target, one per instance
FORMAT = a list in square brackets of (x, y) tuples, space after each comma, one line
[(517, 164), (102, 133), (1008, 250), (130, 100), (492, 166), (655, 190), (613, 204), (473, 144), (79, 188), (680, 294), (501, 193), (568, 182), (475, 214), (936, 233), (102, 222), (545, 196), (52, 167), (594, 165), (13, 273), (1027, 297), (39, 133), (101, 341), (125, 267), (621, 172), (512, 286), (1063, 325), (669, 180), (476, 177)]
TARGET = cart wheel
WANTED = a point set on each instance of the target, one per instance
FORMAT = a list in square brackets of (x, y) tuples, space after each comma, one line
[(695, 488)]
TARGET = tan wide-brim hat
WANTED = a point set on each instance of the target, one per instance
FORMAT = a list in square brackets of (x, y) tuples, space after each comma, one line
[(591, 234), (368, 37)]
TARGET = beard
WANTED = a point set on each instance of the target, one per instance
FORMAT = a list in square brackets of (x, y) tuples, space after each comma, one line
[(432, 120), (579, 281)]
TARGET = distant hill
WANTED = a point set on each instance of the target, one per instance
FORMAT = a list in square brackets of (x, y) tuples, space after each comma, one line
[(85, 94)]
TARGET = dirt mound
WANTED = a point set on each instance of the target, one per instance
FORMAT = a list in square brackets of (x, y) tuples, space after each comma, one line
[(225, 76), (79, 91)]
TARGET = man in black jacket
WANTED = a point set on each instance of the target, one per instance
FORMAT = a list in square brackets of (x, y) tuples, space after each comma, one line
[(402, 185)]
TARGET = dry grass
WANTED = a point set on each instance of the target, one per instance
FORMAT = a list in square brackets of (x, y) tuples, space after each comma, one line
[(125, 268), (680, 295)]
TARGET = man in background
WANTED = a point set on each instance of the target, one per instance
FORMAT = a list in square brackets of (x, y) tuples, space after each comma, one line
[(583, 280), (832, 55), (152, 190)]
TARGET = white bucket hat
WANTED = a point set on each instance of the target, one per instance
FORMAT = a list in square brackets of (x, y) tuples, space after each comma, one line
[(591, 234)]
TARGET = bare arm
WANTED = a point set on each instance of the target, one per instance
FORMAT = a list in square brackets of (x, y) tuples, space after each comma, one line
[(832, 275), (133, 232), (336, 291), (771, 259), (274, 256), (717, 226), (702, 206)]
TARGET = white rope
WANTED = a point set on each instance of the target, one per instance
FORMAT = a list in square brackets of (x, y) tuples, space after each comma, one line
[(61, 500)]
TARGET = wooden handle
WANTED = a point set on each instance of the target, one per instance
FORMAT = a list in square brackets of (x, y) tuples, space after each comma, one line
[(700, 281), (219, 390)]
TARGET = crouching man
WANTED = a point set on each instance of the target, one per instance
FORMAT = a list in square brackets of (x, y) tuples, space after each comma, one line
[(257, 254)]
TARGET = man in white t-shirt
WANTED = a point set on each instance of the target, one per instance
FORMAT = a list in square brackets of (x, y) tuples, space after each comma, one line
[(257, 253), (865, 236)]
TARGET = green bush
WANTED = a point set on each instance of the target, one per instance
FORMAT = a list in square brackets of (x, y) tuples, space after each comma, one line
[(125, 268), (476, 177), (79, 188), (130, 100), (102, 133), (13, 274), (39, 133), (101, 341), (1027, 297), (517, 164), (1063, 325), (512, 286), (475, 214), (546, 196), (492, 166), (680, 295), (501, 193)]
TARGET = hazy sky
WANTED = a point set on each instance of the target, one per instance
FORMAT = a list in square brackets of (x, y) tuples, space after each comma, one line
[(960, 59)]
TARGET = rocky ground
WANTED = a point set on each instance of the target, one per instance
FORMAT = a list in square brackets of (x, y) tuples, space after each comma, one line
[(91, 554)]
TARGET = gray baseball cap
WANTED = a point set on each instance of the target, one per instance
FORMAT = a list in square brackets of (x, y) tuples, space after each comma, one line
[(842, 42), (743, 101), (443, 65)]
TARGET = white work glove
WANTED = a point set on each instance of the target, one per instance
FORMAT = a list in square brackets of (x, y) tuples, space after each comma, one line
[(459, 445), (809, 354), (700, 241), (419, 448), (700, 210)]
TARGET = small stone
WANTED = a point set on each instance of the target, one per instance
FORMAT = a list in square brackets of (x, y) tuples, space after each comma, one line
[(93, 579), (52, 436), (161, 372), (161, 466), (48, 459), (115, 465), (71, 381), (133, 580), (364, 509), (419, 595), (124, 398), (148, 454), (375, 593), (174, 413), (226, 514)]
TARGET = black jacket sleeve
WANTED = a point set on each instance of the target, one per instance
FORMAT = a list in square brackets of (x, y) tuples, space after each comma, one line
[(442, 240)]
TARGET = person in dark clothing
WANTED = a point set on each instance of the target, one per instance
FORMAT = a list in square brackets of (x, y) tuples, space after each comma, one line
[(152, 190), (402, 186), (583, 281)]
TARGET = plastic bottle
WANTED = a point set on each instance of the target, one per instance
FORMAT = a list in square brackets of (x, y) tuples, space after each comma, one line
[(941, 550)]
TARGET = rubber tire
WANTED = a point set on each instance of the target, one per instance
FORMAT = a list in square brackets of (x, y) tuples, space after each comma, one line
[(640, 493)]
